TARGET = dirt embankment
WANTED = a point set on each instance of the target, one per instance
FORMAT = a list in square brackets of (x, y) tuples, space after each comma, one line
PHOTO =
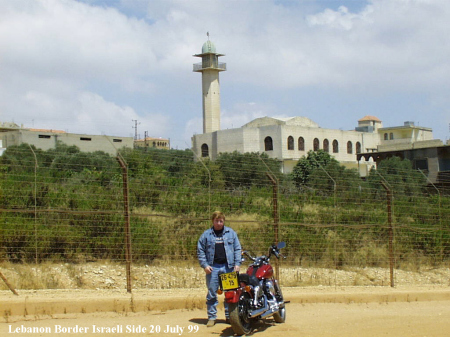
[(112, 276)]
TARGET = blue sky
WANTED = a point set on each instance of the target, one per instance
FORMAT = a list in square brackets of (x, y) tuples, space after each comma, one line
[(94, 66)]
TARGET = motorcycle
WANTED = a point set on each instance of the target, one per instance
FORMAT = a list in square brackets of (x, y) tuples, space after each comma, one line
[(254, 295)]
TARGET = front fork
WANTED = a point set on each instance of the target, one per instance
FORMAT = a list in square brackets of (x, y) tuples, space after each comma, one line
[(278, 293)]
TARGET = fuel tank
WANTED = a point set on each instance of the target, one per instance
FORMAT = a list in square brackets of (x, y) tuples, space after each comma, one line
[(265, 271)]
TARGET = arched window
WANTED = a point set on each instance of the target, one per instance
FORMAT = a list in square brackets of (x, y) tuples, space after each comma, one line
[(290, 143), (349, 147), (391, 136), (358, 147), (316, 144), (301, 144), (326, 145), (335, 146), (154, 144), (268, 144), (386, 136), (205, 150)]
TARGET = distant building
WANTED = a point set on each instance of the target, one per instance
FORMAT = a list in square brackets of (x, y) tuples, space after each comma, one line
[(289, 139), (432, 157), (47, 139), (7, 126), (149, 142)]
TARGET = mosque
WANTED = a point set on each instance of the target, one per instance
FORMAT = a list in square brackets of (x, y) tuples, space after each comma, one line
[(289, 139)]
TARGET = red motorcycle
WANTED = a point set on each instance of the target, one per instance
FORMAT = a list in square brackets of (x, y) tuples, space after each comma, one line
[(254, 295)]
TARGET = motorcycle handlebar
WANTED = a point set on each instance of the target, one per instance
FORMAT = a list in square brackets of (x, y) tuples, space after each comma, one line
[(274, 249), (246, 253)]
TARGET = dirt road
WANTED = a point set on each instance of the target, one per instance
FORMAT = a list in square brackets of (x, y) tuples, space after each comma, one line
[(349, 312), (316, 319)]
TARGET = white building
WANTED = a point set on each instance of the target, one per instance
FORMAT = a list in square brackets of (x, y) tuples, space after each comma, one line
[(289, 139), (47, 139)]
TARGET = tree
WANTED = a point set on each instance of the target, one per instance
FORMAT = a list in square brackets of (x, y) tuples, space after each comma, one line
[(399, 174), (307, 165), (21, 158), (207, 174), (247, 169)]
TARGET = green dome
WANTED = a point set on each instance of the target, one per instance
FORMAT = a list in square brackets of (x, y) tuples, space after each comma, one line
[(208, 47)]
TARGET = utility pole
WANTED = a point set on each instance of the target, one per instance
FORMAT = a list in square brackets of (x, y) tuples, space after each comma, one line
[(135, 128)]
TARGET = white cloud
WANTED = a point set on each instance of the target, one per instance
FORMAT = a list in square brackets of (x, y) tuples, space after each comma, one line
[(65, 60), (242, 113), (340, 19)]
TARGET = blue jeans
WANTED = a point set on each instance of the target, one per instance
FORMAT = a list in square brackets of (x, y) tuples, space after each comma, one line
[(212, 282)]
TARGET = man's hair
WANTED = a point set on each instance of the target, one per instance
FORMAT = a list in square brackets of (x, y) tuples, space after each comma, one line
[(218, 215)]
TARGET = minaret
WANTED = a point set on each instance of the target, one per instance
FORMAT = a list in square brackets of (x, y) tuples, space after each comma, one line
[(210, 68)]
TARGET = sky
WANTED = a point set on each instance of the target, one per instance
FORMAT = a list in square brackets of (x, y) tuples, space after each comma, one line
[(109, 66)]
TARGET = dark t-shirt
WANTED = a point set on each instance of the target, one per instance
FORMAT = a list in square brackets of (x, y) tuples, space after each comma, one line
[(219, 251)]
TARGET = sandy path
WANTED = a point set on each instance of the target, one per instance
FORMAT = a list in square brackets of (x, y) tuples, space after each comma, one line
[(313, 311), (316, 319)]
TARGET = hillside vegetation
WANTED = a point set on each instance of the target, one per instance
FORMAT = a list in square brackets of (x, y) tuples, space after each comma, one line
[(67, 205)]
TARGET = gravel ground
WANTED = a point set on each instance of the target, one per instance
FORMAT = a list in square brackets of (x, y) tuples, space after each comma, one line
[(113, 276)]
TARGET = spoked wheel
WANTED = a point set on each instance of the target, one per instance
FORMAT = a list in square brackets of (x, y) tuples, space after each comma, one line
[(280, 316), (240, 322)]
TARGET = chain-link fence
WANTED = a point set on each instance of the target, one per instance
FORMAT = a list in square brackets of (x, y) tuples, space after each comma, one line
[(148, 205)]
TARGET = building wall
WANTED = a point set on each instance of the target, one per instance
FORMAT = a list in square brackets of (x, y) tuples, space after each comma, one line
[(48, 140), (149, 142), (431, 160), (229, 140), (399, 136), (401, 144)]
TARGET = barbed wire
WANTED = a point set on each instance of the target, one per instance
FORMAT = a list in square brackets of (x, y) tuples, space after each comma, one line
[(69, 206)]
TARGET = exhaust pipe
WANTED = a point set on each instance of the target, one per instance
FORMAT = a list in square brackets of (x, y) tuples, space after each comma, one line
[(269, 312)]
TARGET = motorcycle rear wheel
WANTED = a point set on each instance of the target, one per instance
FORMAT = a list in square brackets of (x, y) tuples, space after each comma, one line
[(241, 324)]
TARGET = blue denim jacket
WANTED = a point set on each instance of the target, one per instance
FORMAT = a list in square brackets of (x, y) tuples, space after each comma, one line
[(207, 243)]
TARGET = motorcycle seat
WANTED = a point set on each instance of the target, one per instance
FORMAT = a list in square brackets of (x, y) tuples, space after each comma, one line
[(248, 279)]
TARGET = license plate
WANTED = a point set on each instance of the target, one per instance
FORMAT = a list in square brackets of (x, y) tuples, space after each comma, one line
[(229, 281)]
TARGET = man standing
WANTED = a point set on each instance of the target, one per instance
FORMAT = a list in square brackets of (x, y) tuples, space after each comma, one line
[(219, 252)]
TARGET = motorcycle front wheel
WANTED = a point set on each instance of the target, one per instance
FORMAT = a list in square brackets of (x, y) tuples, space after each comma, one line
[(280, 316), (240, 322)]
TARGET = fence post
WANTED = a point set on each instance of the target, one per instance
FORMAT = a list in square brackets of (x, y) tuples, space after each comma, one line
[(8, 284), (35, 205), (441, 250), (391, 232), (275, 217), (334, 216), (209, 181), (126, 203)]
